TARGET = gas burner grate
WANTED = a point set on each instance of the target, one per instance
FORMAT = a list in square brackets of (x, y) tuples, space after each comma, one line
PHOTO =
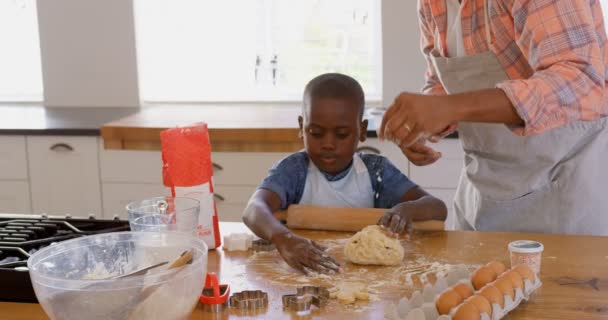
[(20, 237)]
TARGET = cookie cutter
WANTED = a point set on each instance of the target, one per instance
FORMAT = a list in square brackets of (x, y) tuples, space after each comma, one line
[(215, 296), (262, 245), (305, 298), (250, 300)]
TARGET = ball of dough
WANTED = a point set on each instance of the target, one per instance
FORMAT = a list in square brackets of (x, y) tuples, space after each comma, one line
[(373, 245)]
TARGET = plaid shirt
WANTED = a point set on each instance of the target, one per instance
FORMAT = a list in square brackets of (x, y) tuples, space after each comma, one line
[(554, 52)]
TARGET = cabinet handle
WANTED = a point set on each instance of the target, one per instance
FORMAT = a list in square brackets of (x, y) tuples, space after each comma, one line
[(219, 197), (61, 147), (217, 166), (368, 149)]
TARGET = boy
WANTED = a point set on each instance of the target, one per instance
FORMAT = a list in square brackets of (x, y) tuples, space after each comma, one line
[(330, 173)]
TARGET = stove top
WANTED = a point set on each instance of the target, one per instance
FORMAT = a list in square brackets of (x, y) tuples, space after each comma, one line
[(22, 235)]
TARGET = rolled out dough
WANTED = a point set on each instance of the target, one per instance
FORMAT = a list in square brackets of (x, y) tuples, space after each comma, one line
[(373, 245), (349, 292)]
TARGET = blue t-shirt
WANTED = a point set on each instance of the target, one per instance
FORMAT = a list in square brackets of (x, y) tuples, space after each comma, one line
[(287, 178)]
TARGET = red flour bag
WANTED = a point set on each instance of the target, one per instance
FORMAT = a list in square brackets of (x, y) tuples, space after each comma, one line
[(188, 171)]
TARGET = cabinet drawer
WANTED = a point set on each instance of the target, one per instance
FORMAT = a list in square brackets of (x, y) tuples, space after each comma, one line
[(243, 168), (13, 159), (15, 197), (64, 175), (131, 166), (233, 194), (116, 196)]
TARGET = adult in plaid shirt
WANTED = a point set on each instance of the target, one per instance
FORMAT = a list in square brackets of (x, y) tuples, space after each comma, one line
[(525, 83)]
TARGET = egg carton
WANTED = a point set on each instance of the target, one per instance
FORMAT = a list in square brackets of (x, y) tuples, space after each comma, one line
[(421, 304)]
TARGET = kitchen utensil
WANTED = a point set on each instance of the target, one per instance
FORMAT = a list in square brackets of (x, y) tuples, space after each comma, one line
[(70, 277), (306, 297), (250, 300), (341, 219), (139, 272), (176, 214), (215, 296)]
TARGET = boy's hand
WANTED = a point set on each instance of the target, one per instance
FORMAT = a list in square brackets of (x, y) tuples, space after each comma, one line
[(396, 222), (304, 254)]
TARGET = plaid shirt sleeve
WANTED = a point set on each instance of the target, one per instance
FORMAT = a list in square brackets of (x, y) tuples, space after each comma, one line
[(563, 44), (432, 85)]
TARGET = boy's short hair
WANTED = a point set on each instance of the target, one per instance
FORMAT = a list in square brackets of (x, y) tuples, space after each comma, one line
[(334, 86)]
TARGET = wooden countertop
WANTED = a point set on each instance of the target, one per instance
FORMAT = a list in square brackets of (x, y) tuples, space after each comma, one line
[(574, 275), (231, 127)]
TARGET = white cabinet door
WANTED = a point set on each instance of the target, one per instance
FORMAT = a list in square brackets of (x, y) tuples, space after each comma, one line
[(116, 196), (445, 173), (13, 160), (230, 212), (15, 197), (243, 168), (388, 150), (64, 175), (131, 166)]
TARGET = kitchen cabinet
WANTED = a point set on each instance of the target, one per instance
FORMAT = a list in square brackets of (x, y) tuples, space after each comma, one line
[(14, 183), (15, 197), (116, 196), (64, 175)]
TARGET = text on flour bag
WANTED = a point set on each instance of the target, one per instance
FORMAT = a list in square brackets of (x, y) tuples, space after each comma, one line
[(188, 171)]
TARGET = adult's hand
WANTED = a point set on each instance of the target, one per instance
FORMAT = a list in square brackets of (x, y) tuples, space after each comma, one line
[(413, 117), (420, 154)]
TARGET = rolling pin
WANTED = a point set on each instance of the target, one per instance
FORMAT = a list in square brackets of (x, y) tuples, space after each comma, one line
[(340, 219)]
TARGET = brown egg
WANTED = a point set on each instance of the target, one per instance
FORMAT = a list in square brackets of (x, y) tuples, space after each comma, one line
[(467, 311), (482, 276), (493, 295), (497, 266), (516, 280), (525, 272), (448, 300), (463, 290), (505, 286), (482, 304)]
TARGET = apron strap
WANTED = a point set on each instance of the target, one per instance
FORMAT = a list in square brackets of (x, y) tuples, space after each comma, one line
[(486, 9)]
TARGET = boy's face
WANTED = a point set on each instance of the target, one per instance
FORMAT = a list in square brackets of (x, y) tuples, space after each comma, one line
[(332, 130)]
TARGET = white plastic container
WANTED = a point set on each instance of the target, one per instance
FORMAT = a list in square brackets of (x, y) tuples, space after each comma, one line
[(526, 252)]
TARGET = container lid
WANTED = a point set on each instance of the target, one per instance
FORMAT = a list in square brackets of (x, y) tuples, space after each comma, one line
[(526, 246)]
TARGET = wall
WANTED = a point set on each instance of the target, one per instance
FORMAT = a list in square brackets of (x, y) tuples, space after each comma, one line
[(88, 53), (403, 63)]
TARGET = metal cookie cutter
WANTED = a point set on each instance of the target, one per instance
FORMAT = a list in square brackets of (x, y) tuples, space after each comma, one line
[(262, 245), (306, 297), (215, 296), (249, 300)]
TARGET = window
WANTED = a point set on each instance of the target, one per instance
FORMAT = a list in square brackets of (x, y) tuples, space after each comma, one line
[(20, 69), (254, 50)]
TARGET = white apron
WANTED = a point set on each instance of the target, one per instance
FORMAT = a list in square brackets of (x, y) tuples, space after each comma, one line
[(353, 191), (552, 182)]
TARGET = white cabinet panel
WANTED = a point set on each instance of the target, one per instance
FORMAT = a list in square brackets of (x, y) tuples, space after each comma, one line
[(131, 166), (64, 175), (447, 195), (388, 150), (233, 194), (230, 212), (243, 168), (13, 159), (116, 196), (445, 173), (15, 197)]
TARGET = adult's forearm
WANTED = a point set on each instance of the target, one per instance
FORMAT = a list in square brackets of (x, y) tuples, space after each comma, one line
[(489, 105)]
